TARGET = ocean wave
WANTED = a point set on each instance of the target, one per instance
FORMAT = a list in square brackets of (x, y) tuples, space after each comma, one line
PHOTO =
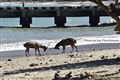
[(51, 43)]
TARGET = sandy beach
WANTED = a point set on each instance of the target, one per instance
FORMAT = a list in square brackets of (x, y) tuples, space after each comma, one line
[(100, 61), (101, 64)]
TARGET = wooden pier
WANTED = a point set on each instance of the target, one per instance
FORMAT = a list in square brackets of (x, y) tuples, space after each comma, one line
[(59, 13)]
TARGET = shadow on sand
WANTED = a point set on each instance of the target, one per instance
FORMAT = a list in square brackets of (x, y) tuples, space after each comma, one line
[(96, 63)]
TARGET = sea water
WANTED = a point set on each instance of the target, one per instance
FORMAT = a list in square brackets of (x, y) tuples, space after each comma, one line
[(14, 38)]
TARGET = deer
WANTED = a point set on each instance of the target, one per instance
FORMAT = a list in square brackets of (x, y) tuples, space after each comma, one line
[(34, 45), (65, 42)]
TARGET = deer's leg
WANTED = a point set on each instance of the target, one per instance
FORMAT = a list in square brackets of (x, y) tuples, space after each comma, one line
[(35, 52), (76, 48), (72, 48), (63, 49), (27, 51), (39, 52)]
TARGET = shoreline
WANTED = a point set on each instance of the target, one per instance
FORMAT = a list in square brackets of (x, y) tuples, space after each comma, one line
[(50, 51)]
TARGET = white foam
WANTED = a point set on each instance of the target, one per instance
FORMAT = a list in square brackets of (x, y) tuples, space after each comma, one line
[(51, 43)]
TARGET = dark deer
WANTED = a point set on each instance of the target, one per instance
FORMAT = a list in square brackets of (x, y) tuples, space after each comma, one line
[(34, 45), (65, 42)]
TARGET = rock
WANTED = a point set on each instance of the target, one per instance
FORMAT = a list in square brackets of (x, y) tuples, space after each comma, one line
[(41, 63), (114, 55), (50, 60), (0, 66), (103, 57), (106, 56), (27, 74), (58, 71), (91, 55), (46, 63), (33, 64), (65, 62), (119, 70), (9, 60), (76, 54), (71, 55)]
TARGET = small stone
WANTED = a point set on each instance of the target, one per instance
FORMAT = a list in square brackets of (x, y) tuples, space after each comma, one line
[(91, 55), (65, 62), (119, 70), (50, 60), (71, 55), (114, 55), (41, 63), (58, 71), (33, 64), (76, 54), (106, 56), (9, 60), (27, 74), (103, 57), (46, 63)]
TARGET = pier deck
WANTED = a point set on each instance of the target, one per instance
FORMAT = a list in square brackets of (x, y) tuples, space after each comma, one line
[(59, 13)]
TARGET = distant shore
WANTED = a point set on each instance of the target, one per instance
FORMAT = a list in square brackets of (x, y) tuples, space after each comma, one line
[(56, 2)]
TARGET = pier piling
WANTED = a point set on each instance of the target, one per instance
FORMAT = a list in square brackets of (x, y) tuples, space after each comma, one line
[(94, 20), (25, 22), (60, 21)]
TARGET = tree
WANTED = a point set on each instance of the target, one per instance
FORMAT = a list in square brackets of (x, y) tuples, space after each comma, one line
[(113, 12)]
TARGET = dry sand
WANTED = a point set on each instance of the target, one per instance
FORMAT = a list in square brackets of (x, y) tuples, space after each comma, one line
[(102, 64)]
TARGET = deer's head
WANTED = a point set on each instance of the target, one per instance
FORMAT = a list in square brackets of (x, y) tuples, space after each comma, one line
[(57, 47)]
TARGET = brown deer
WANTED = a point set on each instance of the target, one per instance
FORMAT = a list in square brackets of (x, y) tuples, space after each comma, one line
[(34, 45), (65, 42)]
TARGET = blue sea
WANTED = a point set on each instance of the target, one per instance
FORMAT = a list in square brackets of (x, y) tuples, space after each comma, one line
[(13, 38)]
